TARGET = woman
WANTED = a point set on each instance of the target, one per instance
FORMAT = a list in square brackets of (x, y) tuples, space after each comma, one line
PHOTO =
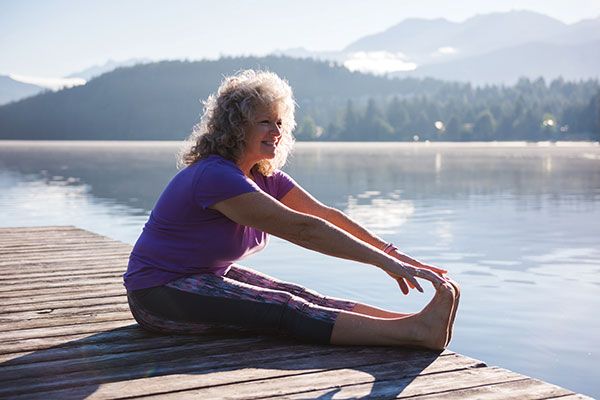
[(183, 277)]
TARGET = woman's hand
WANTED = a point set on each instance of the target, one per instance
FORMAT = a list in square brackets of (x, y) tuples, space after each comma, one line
[(406, 285), (406, 276)]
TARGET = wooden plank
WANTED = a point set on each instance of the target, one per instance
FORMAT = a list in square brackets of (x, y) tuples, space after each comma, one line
[(15, 372), (78, 269), (44, 293), (66, 284), (365, 383), (86, 327), (78, 346), (112, 334), (59, 316), (35, 244), (121, 298), (82, 318), (524, 389), (220, 369), (381, 380), (64, 278), (130, 366), (38, 229), (37, 249), (90, 256), (61, 295)]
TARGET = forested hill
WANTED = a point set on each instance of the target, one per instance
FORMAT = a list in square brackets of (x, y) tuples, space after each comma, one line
[(162, 101)]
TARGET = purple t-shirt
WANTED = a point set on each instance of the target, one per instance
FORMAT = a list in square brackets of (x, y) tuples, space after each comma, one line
[(184, 237)]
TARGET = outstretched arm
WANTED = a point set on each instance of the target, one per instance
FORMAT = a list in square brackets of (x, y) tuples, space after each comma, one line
[(300, 200), (261, 211)]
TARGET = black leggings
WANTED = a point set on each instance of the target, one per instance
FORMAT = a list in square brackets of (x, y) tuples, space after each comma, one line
[(242, 299)]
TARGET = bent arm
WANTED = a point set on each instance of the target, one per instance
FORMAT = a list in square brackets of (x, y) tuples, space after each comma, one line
[(262, 212)]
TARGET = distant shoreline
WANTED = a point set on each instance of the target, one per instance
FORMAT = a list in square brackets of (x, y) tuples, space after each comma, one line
[(309, 144)]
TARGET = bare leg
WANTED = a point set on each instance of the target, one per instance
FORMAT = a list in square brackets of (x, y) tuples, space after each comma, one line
[(371, 311), (428, 328)]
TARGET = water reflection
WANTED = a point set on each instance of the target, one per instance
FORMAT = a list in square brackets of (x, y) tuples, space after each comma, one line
[(379, 213), (515, 225)]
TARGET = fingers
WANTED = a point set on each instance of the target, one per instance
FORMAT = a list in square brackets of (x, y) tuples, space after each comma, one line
[(407, 280), (432, 277), (403, 287), (412, 280), (401, 283), (440, 271)]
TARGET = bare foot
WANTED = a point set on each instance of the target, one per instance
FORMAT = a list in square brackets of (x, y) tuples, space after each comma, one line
[(454, 308), (435, 319)]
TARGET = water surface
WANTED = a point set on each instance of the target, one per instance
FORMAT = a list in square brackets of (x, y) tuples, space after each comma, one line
[(516, 225)]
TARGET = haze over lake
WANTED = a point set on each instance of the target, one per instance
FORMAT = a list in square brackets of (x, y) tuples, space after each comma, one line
[(516, 224)]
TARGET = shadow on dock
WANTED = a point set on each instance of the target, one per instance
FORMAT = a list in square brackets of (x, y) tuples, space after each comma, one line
[(129, 362)]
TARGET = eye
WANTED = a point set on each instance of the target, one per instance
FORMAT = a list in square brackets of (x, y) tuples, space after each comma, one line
[(264, 121), (280, 123)]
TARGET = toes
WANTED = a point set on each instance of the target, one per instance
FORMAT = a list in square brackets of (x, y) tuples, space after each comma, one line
[(446, 287), (455, 287)]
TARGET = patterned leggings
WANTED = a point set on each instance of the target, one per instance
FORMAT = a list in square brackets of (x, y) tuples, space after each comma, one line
[(241, 300)]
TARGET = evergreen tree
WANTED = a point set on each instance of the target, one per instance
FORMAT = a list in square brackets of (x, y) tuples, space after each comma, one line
[(485, 125), (453, 129), (351, 123)]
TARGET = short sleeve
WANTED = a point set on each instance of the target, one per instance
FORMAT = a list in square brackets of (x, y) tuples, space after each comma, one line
[(220, 181), (283, 184)]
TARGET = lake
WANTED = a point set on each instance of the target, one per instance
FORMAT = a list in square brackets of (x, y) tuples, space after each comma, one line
[(516, 224)]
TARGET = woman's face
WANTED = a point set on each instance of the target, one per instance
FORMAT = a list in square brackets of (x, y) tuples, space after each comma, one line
[(263, 134)]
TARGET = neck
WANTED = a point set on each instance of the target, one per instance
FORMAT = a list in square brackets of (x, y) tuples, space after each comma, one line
[(246, 167)]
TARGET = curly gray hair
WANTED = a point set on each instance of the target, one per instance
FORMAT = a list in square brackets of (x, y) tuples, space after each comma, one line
[(228, 114)]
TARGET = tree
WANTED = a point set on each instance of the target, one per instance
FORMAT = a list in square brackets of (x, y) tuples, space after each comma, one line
[(453, 129), (373, 125), (398, 117), (485, 126), (308, 129), (350, 122)]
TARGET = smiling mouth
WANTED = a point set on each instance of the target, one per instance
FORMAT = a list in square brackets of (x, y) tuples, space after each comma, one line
[(269, 143)]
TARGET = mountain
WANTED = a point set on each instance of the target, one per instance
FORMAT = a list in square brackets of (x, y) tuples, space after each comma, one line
[(108, 66), (162, 100), (421, 39), (13, 90), (412, 37), (420, 47), (587, 30), (571, 62)]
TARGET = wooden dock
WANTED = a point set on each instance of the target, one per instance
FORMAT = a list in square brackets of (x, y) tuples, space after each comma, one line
[(66, 333)]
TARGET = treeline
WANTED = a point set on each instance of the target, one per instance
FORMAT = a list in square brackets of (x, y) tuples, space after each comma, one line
[(161, 101), (529, 110)]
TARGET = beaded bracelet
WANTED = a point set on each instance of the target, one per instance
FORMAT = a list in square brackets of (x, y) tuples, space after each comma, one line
[(389, 248)]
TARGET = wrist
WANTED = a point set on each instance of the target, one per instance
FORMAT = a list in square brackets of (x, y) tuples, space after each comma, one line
[(389, 248)]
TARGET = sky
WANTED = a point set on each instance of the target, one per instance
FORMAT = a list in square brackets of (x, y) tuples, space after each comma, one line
[(55, 38)]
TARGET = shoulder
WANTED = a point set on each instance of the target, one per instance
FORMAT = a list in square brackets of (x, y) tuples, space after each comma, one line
[(217, 179), (215, 167), (215, 162), (278, 184)]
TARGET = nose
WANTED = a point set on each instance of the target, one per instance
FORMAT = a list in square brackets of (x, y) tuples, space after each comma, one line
[(276, 130)]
